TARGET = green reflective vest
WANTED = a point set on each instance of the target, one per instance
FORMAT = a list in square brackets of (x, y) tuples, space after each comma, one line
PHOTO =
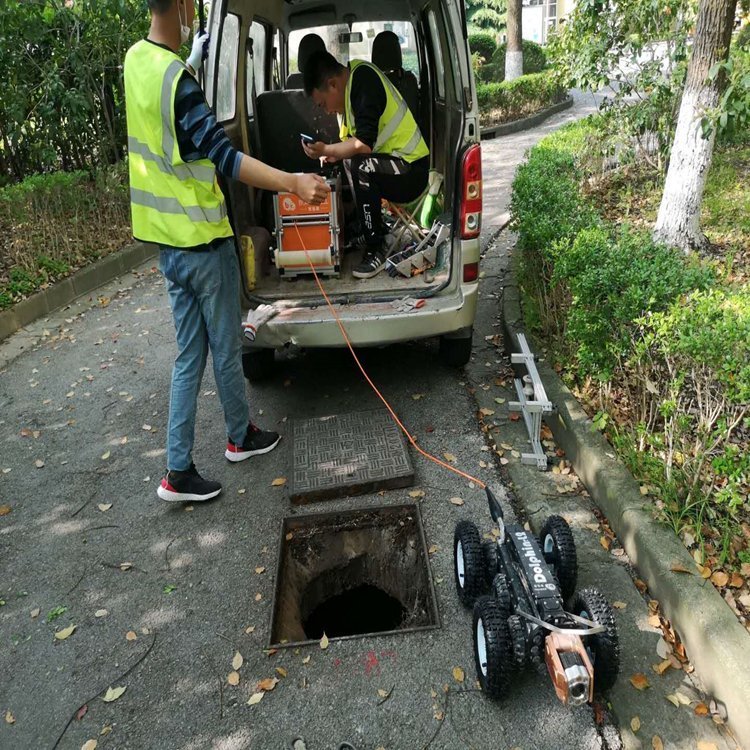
[(398, 132), (172, 202)]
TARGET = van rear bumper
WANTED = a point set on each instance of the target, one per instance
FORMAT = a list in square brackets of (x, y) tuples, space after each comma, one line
[(370, 324)]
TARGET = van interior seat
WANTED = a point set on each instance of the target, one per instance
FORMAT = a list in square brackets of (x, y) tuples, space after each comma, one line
[(386, 55), (308, 44), (281, 117)]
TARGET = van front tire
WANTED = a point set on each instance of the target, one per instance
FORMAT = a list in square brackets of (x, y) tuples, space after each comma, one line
[(258, 364), (455, 352)]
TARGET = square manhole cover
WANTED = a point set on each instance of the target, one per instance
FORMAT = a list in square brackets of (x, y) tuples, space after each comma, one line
[(348, 454), (353, 573)]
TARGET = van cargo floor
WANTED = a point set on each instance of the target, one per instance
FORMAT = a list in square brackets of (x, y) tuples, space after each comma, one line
[(275, 287)]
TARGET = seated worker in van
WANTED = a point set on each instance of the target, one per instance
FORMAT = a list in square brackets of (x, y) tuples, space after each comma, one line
[(383, 152)]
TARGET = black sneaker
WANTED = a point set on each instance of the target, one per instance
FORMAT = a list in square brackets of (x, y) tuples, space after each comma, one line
[(356, 241), (256, 442), (372, 263), (187, 486)]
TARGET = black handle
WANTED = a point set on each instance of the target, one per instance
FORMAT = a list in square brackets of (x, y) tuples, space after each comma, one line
[(496, 510)]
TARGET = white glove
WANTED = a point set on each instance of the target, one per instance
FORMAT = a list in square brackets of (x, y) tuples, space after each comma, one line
[(256, 318), (195, 58)]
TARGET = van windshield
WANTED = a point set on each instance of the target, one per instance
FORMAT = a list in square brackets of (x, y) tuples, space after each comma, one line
[(343, 51)]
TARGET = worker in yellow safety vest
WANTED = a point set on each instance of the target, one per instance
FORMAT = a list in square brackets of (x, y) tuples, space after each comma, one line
[(382, 148), (175, 149)]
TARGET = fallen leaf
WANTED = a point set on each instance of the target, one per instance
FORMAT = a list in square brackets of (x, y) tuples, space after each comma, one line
[(39, 463), (233, 678), (433, 549), (35, 613), (639, 681), (482, 464), (737, 581), (635, 723), (720, 578), (255, 698), (701, 710), (260, 570), (705, 571), (146, 427), (678, 567), (113, 694), (673, 699), (642, 586), (278, 482), (439, 715), (324, 641), (682, 698), (101, 613), (449, 457), (306, 660), (662, 666), (241, 491), (289, 537), (237, 661), (268, 684), (619, 605), (131, 635), (416, 493), (82, 711), (499, 400), (281, 671), (644, 489), (124, 440), (106, 455), (126, 566), (9, 718), (456, 501), (654, 621), (61, 635), (90, 745), (458, 674), (605, 542), (258, 597), (656, 742), (417, 396), (104, 507), (487, 412), (5, 509), (383, 693), (251, 629), (515, 454), (703, 745)]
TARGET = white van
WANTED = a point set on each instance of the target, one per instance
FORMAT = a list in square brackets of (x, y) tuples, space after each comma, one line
[(250, 84)]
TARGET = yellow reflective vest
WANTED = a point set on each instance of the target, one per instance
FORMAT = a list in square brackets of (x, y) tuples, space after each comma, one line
[(398, 132), (172, 202)]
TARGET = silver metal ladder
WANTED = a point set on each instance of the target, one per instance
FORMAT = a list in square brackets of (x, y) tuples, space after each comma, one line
[(532, 409)]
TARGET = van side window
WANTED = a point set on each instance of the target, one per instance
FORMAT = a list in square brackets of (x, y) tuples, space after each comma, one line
[(255, 71), (438, 52), (226, 80)]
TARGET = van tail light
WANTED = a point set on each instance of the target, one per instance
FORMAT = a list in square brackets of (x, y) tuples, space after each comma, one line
[(471, 193), (471, 272)]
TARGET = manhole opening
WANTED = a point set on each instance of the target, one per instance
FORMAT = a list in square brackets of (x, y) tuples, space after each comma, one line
[(352, 574)]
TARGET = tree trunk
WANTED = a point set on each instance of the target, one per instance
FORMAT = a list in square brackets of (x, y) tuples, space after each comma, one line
[(514, 50), (678, 222)]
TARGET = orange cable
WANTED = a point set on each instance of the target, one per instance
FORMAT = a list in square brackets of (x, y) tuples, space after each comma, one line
[(406, 432)]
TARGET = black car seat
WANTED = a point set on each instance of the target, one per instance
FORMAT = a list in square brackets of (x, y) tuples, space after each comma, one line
[(308, 44), (386, 55)]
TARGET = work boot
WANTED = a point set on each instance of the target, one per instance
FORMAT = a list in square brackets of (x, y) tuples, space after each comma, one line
[(256, 442), (187, 486)]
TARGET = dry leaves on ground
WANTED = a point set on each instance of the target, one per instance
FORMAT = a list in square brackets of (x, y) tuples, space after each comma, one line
[(237, 661), (233, 678), (5, 509), (278, 482), (639, 681), (113, 694), (324, 641), (61, 635), (255, 698), (458, 674), (456, 501)]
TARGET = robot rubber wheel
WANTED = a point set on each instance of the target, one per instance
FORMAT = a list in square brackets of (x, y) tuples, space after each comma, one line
[(493, 654)]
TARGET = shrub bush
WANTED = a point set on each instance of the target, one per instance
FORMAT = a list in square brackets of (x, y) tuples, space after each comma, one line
[(742, 40), (484, 43), (534, 57), (512, 100), (53, 223)]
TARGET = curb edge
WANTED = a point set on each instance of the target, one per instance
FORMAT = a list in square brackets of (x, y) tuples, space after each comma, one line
[(516, 126)]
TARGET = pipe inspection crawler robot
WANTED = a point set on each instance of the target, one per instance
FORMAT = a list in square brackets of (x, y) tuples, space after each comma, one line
[(518, 586)]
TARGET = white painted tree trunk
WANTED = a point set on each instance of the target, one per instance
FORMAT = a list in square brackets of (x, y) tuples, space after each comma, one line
[(678, 222), (514, 50)]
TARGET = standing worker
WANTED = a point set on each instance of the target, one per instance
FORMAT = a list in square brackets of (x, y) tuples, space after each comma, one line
[(381, 146), (175, 148)]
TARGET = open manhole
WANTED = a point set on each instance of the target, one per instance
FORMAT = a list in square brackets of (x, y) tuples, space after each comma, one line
[(353, 573)]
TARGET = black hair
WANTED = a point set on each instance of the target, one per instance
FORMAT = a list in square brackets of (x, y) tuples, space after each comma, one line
[(159, 6), (319, 67)]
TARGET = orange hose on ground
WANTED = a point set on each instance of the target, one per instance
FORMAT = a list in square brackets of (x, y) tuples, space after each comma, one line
[(406, 432)]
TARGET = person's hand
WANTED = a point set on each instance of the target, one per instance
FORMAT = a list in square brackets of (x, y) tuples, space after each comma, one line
[(312, 188), (200, 47), (314, 150), (330, 159)]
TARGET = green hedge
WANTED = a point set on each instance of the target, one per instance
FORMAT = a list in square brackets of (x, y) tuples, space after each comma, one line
[(534, 61), (512, 100), (647, 334), (484, 43), (52, 224)]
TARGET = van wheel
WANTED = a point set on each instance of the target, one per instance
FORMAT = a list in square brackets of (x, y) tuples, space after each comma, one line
[(455, 352), (258, 364)]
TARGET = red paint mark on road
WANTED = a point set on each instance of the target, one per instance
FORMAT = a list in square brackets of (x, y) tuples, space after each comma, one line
[(337, 662), (371, 664)]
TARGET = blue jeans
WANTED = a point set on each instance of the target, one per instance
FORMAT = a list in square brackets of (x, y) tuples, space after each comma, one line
[(204, 292)]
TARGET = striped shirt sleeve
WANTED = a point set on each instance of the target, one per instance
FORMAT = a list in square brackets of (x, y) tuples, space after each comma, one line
[(199, 135)]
